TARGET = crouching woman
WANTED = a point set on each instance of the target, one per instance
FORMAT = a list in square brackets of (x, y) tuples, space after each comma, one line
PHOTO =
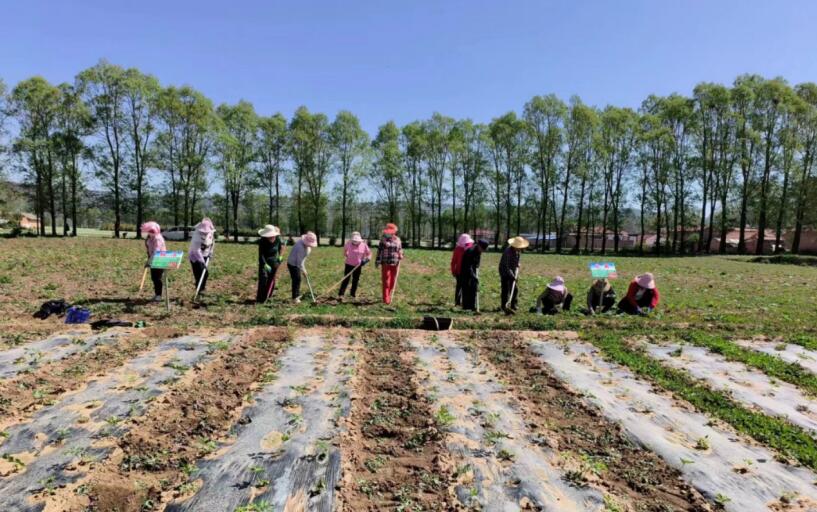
[(642, 296)]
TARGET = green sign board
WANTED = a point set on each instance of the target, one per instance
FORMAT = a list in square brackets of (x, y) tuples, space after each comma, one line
[(603, 270), (167, 260)]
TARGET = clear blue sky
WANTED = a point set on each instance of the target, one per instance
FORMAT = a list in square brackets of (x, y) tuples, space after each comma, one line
[(405, 60)]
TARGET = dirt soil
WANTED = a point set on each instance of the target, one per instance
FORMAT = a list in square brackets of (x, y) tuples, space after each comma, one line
[(182, 426), (26, 393), (570, 425), (394, 455)]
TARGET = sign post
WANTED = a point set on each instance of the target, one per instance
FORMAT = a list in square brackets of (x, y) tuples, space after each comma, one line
[(166, 260), (603, 270)]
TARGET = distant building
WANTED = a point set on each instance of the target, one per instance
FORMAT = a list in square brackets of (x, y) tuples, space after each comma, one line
[(750, 240), (808, 240), (29, 221)]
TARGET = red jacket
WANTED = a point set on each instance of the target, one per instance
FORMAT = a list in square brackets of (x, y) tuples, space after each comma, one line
[(456, 259), (649, 299)]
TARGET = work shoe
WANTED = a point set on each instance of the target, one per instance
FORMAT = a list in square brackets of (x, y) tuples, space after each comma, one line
[(157, 298), (296, 300)]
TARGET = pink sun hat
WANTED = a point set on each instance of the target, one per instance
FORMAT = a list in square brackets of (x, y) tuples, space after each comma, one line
[(557, 284), (205, 226), (310, 240), (356, 238), (646, 281), (151, 227), (465, 240)]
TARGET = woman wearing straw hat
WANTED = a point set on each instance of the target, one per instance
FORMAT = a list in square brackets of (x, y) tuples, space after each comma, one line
[(600, 297), (463, 243), (554, 297), (269, 257), (296, 263), (389, 254), (154, 242), (201, 248), (356, 254), (642, 296), (509, 273)]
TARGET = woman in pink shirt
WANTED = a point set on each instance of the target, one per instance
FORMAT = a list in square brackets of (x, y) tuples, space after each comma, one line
[(154, 242), (357, 254)]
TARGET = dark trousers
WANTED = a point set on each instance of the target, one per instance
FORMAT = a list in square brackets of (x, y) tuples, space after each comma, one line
[(607, 303), (458, 289), (156, 275), (551, 308), (624, 306), (469, 288), (264, 283), (198, 270), (355, 278), (507, 284), (295, 274)]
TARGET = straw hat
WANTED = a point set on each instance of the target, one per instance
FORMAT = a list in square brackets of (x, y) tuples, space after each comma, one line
[(151, 227), (601, 285), (356, 238), (646, 281), (465, 240), (309, 239), (205, 226), (557, 284), (390, 229), (269, 231), (518, 242)]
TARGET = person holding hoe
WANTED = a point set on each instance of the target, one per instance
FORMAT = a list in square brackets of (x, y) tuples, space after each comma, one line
[(642, 296), (464, 242), (356, 253), (389, 255), (201, 250), (469, 275), (154, 242), (509, 273), (296, 263), (600, 297), (269, 258)]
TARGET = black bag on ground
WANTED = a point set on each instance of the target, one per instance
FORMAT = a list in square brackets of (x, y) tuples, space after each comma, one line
[(52, 307)]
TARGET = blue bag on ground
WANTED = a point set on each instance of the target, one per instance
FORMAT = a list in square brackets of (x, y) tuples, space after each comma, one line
[(77, 315)]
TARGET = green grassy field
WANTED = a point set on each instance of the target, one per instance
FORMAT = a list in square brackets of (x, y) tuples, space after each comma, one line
[(712, 293)]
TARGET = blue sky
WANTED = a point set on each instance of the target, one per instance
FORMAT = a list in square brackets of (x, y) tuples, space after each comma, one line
[(405, 60)]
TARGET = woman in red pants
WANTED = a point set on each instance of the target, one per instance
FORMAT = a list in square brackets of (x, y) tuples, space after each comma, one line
[(389, 254)]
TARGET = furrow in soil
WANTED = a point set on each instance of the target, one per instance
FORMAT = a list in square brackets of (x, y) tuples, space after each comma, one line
[(393, 455), (503, 466), (789, 352), (283, 455), (731, 471), (57, 445), (32, 355), (748, 386)]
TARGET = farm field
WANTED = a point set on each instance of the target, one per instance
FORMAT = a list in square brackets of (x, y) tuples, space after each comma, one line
[(228, 406)]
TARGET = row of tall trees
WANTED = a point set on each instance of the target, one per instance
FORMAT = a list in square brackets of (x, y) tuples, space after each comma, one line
[(686, 168)]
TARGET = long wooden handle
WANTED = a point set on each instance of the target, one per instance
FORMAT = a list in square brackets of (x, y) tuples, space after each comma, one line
[(144, 275), (343, 279)]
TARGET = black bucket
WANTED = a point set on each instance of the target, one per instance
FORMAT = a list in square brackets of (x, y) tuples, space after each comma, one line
[(434, 323)]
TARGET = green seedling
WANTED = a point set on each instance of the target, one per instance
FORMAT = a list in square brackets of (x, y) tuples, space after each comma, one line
[(444, 418)]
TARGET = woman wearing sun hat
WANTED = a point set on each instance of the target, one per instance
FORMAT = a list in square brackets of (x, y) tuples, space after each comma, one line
[(554, 297), (509, 273), (296, 263), (356, 253), (642, 296), (464, 242), (154, 242), (269, 257), (600, 297), (389, 255), (201, 248)]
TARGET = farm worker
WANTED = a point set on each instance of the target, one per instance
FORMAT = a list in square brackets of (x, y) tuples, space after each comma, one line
[(464, 242), (269, 257), (201, 248), (154, 242), (389, 254), (600, 297), (509, 272), (555, 296), (356, 253), (469, 274), (296, 263), (642, 296)]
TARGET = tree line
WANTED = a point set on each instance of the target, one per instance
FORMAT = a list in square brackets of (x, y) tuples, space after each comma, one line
[(687, 169)]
